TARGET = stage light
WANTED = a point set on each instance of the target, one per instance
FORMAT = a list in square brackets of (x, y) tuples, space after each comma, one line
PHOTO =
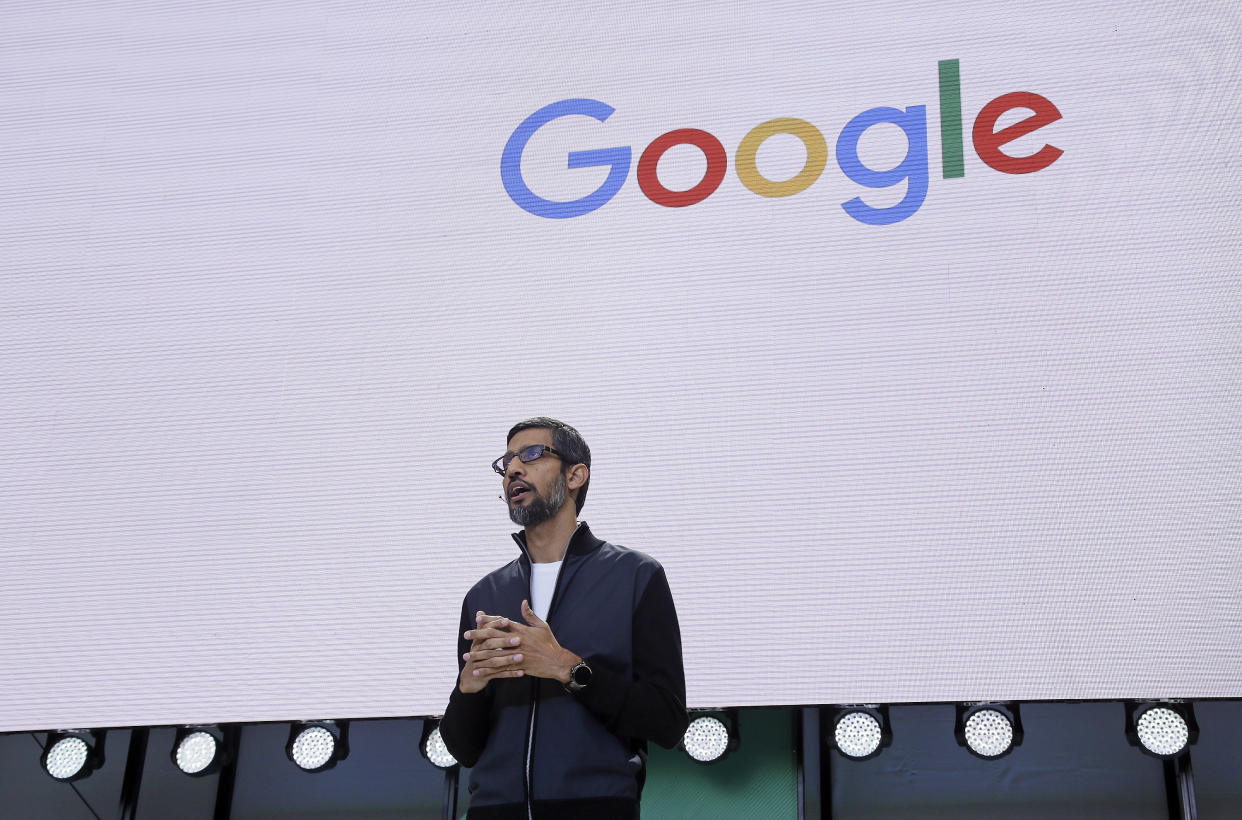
[(1163, 729), (988, 730), (73, 754), (711, 737), (433, 748), (860, 732), (318, 745), (199, 750)]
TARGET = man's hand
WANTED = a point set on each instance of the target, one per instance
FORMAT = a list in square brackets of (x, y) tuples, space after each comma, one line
[(541, 655), (493, 653)]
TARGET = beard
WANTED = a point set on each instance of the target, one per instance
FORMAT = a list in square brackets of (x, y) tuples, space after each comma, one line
[(540, 509)]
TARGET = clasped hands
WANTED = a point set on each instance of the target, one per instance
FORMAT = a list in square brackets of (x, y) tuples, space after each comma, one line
[(503, 648)]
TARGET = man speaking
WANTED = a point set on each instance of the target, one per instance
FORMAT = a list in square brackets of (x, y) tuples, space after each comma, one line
[(570, 654)]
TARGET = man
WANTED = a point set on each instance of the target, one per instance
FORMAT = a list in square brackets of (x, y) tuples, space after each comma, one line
[(569, 656)]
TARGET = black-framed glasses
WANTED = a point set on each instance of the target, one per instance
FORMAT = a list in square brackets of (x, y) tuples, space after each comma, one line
[(526, 455)]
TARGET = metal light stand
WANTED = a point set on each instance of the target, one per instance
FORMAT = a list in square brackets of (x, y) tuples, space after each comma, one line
[(228, 775), (132, 781), (450, 792), (1179, 788)]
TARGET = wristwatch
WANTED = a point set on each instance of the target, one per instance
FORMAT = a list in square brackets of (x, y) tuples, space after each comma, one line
[(579, 678)]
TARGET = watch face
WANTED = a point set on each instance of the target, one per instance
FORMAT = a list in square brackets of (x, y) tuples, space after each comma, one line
[(582, 674)]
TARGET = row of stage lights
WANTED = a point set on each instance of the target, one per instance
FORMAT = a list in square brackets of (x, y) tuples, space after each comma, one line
[(990, 731), (314, 746), (1162, 729)]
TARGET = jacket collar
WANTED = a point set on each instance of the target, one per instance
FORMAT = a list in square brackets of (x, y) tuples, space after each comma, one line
[(581, 542)]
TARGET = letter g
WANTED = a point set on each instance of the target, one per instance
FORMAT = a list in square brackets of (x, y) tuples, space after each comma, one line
[(511, 162)]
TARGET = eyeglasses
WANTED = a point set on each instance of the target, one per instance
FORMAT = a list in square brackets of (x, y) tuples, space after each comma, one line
[(526, 455)]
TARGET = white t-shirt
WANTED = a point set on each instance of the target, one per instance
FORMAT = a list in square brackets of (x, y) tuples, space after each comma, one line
[(542, 585)]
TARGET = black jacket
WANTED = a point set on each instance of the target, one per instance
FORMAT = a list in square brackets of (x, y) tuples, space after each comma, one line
[(538, 751)]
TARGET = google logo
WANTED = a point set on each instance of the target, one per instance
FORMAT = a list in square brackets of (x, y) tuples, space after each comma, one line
[(987, 139)]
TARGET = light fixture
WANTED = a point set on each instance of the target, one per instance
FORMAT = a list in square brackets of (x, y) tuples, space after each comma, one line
[(318, 745), (73, 754), (711, 737), (860, 732), (988, 730), (199, 750), (1163, 729), (433, 748)]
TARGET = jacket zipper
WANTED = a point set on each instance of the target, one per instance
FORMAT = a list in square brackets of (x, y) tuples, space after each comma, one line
[(530, 748), (534, 700)]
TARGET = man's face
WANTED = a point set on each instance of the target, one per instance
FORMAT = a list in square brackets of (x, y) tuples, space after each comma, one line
[(535, 491)]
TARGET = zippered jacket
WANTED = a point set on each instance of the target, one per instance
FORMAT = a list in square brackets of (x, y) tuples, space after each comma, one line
[(541, 753)]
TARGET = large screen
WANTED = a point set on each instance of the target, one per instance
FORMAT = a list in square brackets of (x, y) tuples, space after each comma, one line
[(905, 336)]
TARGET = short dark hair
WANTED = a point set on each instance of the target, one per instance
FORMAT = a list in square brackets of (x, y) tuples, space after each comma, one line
[(568, 442)]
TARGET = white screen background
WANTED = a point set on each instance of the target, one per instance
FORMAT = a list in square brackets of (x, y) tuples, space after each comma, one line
[(267, 313)]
